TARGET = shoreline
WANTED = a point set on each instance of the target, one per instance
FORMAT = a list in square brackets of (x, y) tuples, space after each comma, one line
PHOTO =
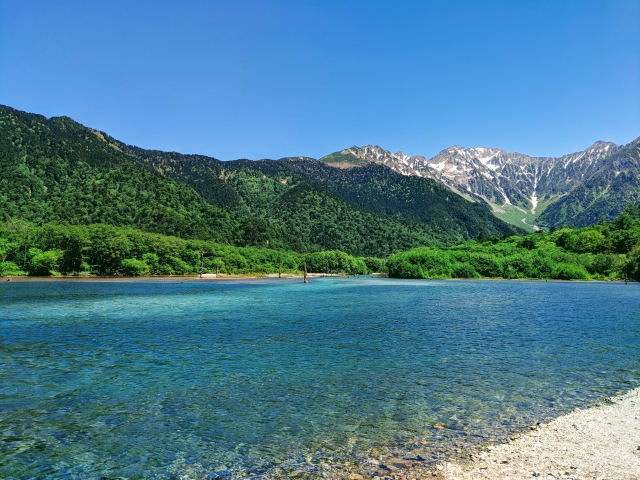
[(602, 441), (271, 276), (599, 442), (162, 278)]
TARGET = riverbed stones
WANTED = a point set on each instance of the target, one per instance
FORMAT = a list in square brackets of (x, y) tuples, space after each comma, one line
[(600, 442)]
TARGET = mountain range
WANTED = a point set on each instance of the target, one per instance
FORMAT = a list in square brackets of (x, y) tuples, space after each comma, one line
[(57, 170), (364, 201), (576, 189)]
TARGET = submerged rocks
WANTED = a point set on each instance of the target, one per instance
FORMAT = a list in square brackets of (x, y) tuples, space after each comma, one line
[(603, 441)]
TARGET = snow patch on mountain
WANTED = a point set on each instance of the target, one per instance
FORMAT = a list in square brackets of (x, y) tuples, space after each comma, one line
[(496, 177)]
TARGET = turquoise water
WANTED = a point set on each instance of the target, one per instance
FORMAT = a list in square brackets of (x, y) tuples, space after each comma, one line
[(213, 379)]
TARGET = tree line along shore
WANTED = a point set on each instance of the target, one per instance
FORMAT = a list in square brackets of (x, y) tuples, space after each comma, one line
[(605, 251)]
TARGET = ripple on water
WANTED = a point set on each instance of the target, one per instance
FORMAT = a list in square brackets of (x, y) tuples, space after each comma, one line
[(206, 379)]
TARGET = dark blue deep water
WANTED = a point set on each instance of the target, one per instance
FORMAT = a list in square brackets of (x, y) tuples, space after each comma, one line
[(205, 379)]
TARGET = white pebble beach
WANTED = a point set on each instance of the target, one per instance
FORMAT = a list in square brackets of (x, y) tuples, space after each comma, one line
[(602, 442)]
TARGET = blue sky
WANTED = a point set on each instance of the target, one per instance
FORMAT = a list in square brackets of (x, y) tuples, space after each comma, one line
[(267, 79)]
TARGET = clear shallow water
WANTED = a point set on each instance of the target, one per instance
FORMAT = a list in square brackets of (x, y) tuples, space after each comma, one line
[(218, 379)]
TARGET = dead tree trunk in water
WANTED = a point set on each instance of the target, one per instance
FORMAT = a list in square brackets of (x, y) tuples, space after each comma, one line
[(217, 268), (305, 273), (201, 261), (279, 273)]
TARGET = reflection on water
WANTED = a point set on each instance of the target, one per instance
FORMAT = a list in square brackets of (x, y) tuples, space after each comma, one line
[(216, 379)]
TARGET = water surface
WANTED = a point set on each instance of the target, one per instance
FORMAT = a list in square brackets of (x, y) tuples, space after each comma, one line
[(211, 379)]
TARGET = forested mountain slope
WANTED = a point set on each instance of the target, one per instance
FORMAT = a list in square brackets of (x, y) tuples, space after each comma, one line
[(315, 216), (378, 189), (58, 170), (257, 185)]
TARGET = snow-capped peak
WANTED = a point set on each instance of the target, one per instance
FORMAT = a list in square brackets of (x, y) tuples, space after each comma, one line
[(493, 175)]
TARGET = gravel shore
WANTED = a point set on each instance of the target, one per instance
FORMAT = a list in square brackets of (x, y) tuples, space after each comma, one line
[(602, 442)]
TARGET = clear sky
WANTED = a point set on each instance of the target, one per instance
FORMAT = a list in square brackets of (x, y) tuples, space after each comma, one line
[(267, 79)]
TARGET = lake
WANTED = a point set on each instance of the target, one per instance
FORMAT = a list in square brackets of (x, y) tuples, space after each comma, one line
[(214, 379)]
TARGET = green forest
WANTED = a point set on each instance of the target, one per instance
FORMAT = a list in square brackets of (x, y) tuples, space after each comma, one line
[(56, 170), (606, 251), (52, 249)]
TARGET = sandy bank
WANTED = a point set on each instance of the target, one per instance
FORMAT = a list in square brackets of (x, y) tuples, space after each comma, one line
[(161, 278), (157, 278), (602, 442)]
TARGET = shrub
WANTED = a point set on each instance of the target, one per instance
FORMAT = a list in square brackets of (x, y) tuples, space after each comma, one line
[(486, 265), (464, 270), (587, 241), (44, 263), (11, 269), (375, 264), (569, 271), (633, 264), (404, 269), (153, 261), (177, 265), (134, 268)]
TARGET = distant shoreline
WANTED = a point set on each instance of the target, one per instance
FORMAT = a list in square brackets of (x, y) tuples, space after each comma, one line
[(161, 278), (270, 276)]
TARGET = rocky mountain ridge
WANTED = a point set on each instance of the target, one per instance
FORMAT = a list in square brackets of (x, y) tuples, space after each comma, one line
[(515, 186), (612, 183)]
